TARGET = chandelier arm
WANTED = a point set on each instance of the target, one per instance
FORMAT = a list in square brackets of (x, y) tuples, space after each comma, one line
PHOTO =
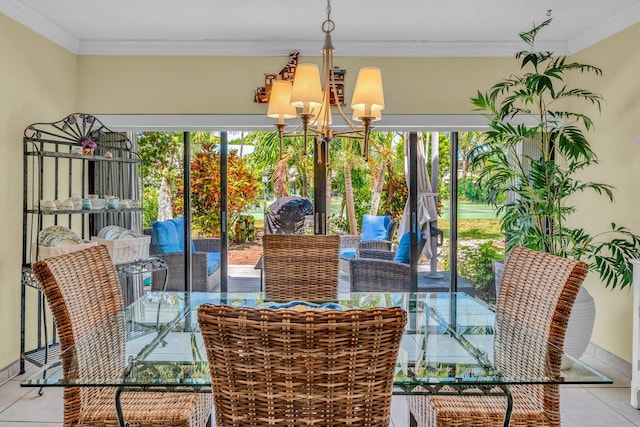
[(348, 121), (354, 133)]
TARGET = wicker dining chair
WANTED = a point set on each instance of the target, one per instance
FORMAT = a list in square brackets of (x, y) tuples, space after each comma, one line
[(301, 266), (285, 367), (83, 291), (537, 293)]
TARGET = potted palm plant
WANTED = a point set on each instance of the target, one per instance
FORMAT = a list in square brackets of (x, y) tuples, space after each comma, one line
[(530, 162)]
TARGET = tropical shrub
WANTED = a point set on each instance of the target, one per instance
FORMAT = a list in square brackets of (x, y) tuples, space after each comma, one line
[(533, 157), (243, 190)]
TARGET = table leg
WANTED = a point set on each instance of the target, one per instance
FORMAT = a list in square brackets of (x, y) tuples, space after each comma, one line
[(121, 421), (509, 410)]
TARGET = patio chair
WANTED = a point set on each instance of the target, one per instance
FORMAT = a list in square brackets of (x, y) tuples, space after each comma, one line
[(377, 270), (83, 292), (283, 367), (300, 266), (167, 243), (537, 292), (377, 232)]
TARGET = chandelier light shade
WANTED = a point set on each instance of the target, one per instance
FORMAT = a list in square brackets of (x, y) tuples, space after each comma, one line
[(280, 102), (368, 95), (307, 90), (312, 92)]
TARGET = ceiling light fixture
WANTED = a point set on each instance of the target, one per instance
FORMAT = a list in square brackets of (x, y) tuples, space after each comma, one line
[(314, 100)]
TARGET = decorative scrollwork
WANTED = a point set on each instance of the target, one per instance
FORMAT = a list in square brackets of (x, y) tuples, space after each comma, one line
[(74, 130)]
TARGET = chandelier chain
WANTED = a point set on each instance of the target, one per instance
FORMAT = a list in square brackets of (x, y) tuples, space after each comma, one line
[(328, 25)]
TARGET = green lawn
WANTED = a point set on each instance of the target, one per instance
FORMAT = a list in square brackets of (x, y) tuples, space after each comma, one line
[(467, 210), (474, 228), (475, 220)]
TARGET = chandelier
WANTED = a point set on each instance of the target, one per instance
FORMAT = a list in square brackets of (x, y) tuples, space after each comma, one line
[(310, 99)]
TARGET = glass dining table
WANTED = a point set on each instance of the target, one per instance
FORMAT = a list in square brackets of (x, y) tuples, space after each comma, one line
[(448, 347)]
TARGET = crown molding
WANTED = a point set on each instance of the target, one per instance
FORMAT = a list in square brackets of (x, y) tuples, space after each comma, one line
[(310, 48), (35, 22), (605, 29)]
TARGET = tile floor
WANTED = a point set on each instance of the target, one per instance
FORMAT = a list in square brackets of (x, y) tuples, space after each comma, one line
[(581, 406)]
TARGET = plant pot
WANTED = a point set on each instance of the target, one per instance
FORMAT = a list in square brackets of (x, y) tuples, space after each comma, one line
[(580, 327)]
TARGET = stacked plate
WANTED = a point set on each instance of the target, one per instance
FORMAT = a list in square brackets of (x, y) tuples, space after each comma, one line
[(114, 232), (57, 235)]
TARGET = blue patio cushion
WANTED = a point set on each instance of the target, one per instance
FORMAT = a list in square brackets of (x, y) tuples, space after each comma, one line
[(164, 237), (403, 253), (213, 262), (374, 227), (347, 253), (302, 304), (179, 223)]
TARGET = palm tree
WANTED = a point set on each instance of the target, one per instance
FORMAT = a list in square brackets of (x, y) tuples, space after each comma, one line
[(381, 142), (267, 154)]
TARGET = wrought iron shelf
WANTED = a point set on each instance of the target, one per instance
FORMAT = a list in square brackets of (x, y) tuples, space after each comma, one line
[(80, 211), (42, 356), (54, 168), (62, 155)]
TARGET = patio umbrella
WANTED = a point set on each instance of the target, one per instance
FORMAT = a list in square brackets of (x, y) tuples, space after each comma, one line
[(427, 211), (286, 215)]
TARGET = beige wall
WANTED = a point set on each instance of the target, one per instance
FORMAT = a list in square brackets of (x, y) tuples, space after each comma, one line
[(41, 82), (225, 85), (37, 83), (616, 140)]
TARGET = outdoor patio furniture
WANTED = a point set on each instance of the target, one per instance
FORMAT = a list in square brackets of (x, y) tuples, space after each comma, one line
[(287, 367), (83, 292), (537, 293), (377, 232), (383, 270), (300, 266), (167, 243)]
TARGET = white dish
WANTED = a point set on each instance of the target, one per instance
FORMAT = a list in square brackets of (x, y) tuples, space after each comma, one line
[(108, 231), (114, 232), (56, 234)]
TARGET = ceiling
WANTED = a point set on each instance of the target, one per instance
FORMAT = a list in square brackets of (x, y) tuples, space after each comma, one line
[(277, 27)]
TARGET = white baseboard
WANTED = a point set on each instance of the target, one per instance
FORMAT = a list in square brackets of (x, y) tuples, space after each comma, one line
[(9, 372), (609, 359)]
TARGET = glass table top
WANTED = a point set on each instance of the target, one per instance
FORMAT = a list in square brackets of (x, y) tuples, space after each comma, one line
[(449, 339)]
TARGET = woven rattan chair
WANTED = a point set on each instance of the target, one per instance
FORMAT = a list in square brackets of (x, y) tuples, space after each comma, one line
[(83, 291), (301, 368), (300, 266), (537, 292)]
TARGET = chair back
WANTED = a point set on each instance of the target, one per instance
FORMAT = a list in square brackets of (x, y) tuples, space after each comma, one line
[(83, 291), (301, 266), (286, 367), (537, 292), (391, 231)]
